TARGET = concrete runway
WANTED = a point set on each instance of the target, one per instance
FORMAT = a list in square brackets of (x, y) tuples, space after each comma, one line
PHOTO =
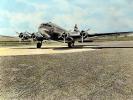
[(54, 49), (30, 50)]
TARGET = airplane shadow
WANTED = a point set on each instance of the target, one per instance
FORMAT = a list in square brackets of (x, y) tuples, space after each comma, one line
[(82, 47), (92, 47), (110, 47), (78, 47), (58, 48)]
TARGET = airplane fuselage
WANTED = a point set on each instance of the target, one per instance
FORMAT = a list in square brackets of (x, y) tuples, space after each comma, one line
[(55, 32)]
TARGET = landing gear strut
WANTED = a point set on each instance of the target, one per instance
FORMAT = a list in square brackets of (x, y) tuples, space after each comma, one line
[(71, 44), (39, 44)]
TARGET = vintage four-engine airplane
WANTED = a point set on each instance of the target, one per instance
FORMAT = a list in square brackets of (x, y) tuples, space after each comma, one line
[(51, 31)]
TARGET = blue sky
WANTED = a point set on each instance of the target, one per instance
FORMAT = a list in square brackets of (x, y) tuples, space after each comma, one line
[(98, 15)]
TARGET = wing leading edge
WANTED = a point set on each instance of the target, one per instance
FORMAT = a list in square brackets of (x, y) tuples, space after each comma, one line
[(109, 34)]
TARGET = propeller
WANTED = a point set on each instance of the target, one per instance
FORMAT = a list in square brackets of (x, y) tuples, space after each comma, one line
[(17, 33), (64, 35), (20, 35), (33, 36), (83, 34)]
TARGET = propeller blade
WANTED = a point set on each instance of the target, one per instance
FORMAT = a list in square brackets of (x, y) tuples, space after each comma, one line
[(17, 33), (29, 33), (64, 35), (64, 40), (82, 38)]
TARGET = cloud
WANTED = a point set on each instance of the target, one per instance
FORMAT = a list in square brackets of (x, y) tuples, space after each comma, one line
[(103, 16), (37, 5), (22, 21)]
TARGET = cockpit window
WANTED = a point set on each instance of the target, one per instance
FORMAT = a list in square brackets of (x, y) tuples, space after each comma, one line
[(43, 24), (46, 25), (49, 25)]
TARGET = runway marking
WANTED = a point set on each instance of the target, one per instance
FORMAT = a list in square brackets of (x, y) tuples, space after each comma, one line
[(13, 51)]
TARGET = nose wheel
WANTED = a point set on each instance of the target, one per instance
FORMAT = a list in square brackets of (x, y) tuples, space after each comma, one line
[(39, 44)]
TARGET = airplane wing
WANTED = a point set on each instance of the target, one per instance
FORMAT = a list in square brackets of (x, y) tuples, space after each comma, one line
[(110, 34)]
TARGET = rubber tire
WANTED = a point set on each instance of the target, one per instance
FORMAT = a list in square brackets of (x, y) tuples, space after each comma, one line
[(39, 45), (70, 44)]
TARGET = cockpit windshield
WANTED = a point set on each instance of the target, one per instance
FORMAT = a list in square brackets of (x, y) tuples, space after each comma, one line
[(46, 24)]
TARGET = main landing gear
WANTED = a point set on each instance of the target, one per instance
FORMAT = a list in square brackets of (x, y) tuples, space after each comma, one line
[(71, 44), (39, 44)]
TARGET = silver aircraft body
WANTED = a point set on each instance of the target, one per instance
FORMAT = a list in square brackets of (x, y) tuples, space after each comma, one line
[(51, 31)]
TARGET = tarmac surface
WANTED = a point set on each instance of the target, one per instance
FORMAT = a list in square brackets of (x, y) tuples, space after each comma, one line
[(31, 50), (54, 49), (104, 71)]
